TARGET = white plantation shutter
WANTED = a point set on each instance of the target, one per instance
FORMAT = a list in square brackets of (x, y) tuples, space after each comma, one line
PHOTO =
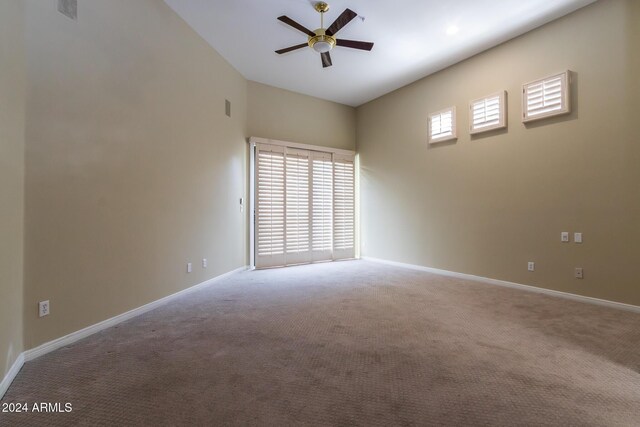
[(305, 206), (546, 97), (322, 205), (343, 207), (297, 220), (442, 125), (270, 222), (488, 113)]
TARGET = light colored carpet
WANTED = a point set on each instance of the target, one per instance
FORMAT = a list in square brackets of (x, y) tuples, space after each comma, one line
[(347, 343)]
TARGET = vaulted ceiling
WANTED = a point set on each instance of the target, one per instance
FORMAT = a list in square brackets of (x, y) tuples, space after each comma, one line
[(413, 38)]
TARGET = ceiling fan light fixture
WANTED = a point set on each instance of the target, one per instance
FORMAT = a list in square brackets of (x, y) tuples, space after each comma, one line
[(321, 42), (322, 46)]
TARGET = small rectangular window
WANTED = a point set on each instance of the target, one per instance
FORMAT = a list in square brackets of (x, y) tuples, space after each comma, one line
[(546, 97), (442, 125), (488, 113)]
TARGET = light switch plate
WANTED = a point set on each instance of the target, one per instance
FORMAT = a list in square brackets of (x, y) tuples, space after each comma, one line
[(564, 236), (577, 237)]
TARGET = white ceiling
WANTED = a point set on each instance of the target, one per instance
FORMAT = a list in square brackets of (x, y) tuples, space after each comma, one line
[(410, 37)]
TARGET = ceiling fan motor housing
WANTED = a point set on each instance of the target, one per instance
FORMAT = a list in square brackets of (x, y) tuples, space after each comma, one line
[(321, 7), (322, 42)]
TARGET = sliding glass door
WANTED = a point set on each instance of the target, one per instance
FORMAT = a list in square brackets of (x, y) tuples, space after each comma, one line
[(304, 207)]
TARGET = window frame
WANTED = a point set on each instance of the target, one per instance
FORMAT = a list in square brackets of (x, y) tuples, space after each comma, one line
[(565, 92), (502, 113)]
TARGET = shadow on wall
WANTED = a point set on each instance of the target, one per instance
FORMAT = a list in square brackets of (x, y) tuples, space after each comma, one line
[(489, 133), (442, 144)]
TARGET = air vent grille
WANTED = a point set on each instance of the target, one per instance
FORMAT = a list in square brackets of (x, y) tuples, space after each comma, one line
[(69, 8)]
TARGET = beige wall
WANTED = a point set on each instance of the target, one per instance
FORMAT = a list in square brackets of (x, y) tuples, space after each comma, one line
[(288, 116), (486, 205), (133, 168), (12, 118)]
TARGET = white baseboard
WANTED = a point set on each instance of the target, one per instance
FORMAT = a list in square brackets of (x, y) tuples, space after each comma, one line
[(528, 288), (10, 376), (90, 330)]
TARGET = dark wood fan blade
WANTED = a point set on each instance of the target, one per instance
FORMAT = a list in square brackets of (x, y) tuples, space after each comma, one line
[(354, 44), (326, 60), (295, 25), (341, 21), (289, 49)]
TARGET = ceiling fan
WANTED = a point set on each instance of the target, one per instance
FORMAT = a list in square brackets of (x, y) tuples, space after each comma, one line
[(323, 40)]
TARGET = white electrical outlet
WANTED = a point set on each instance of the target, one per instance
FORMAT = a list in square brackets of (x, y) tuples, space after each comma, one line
[(579, 273), (531, 266), (577, 237), (564, 236), (43, 308), (189, 267), (204, 263)]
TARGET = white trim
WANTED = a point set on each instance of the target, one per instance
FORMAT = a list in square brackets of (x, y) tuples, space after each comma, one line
[(528, 288), (252, 205), (258, 140), (90, 330), (356, 207), (11, 375)]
